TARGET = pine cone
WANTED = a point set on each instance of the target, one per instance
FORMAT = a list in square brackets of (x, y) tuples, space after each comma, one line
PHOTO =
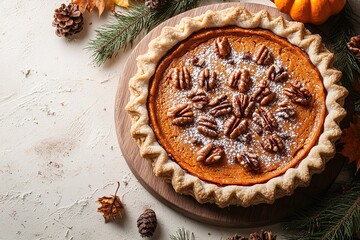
[(147, 223), (237, 237), (153, 4), (354, 45), (68, 20), (264, 235)]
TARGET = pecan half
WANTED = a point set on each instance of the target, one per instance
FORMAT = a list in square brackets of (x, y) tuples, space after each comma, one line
[(285, 110), (207, 81), (207, 126), (220, 106), (264, 118), (239, 79), (180, 78), (222, 47), (198, 97), (249, 161), (197, 62), (273, 143), (182, 114), (209, 154), (234, 126), (298, 93), (243, 105), (263, 93), (277, 74), (263, 56)]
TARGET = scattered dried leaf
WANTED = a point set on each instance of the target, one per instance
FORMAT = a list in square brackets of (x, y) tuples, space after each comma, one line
[(101, 5), (351, 140), (111, 207), (122, 3)]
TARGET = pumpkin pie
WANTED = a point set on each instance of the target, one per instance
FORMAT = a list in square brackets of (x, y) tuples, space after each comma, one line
[(236, 108)]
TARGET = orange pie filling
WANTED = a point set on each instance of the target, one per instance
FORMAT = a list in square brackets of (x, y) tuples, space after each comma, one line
[(236, 106)]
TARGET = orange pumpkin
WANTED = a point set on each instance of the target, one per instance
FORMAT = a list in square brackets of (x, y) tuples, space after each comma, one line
[(310, 11)]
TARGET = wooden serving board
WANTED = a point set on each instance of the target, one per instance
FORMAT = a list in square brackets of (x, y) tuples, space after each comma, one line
[(233, 216)]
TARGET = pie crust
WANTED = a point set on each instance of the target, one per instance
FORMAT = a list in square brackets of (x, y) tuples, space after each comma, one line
[(237, 193)]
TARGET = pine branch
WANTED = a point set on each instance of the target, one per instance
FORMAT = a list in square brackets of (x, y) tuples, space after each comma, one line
[(340, 30), (124, 28), (182, 234), (332, 217), (343, 30)]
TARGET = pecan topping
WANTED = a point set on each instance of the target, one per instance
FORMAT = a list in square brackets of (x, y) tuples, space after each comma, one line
[(198, 97), (239, 79), (263, 94), (298, 93), (209, 154), (222, 47), (233, 80), (263, 56), (180, 78), (207, 126), (207, 81), (249, 161), (243, 104), (181, 114), (220, 106), (273, 143), (264, 118), (234, 126), (285, 110), (197, 62), (277, 74)]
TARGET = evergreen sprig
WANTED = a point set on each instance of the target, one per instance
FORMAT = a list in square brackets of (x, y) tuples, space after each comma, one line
[(342, 31), (182, 234), (336, 33), (125, 27), (334, 216)]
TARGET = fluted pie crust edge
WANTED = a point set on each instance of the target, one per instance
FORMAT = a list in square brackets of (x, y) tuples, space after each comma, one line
[(276, 187)]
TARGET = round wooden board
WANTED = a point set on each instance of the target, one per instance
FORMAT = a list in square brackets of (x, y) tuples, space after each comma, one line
[(233, 216)]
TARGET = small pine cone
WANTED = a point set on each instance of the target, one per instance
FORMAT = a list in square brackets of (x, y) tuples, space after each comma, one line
[(354, 45), (68, 20), (153, 4), (264, 235), (237, 237), (147, 223)]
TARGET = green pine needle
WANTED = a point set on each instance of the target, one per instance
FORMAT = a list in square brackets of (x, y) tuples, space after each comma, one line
[(125, 27), (331, 217), (182, 234), (341, 29)]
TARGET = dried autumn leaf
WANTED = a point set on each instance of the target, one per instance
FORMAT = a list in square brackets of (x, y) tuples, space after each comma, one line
[(101, 5), (122, 3), (351, 141), (111, 207)]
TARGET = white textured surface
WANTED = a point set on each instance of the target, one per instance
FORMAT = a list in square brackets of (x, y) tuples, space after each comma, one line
[(58, 148)]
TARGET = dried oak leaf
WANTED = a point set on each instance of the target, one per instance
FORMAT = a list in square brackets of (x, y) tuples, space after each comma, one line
[(111, 207), (101, 5), (351, 140)]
